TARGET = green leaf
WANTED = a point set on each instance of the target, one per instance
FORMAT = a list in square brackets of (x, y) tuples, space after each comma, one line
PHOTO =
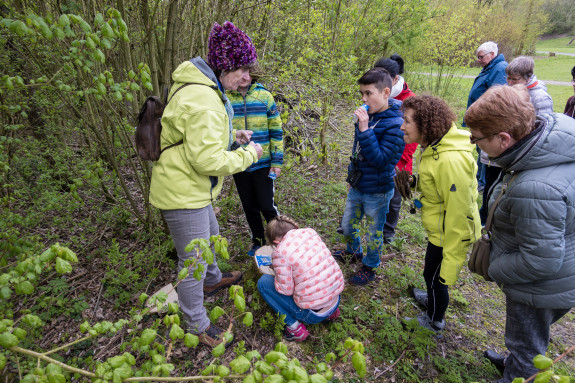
[(99, 56), (248, 319), (275, 378), (8, 340), (208, 370), (90, 43), (107, 30), (542, 362), (118, 95), (561, 379), (24, 288), (173, 307), (216, 313), (85, 26), (543, 377), (46, 32), (142, 298), (84, 326), (254, 354), (265, 367), (240, 303), (105, 43), (5, 292), (274, 356), (249, 379), (222, 371), (176, 332), (208, 256), (56, 378), (63, 266), (183, 273), (2, 361), (358, 361), (58, 32), (19, 333), (98, 19), (281, 347), (219, 349), (240, 365), (317, 378), (63, 21), (19, 28), (116, 361), (130, 359), (191, 340), (147, 337)]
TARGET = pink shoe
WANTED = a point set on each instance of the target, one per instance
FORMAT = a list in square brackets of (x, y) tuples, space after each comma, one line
[(334, 315), (298, 335)]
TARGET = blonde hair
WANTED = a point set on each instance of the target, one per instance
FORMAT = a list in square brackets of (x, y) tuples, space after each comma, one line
[(278, 227), (502, 109)]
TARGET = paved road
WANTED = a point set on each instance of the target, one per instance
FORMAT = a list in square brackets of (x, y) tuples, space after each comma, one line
[(558, 53), (548, 82)]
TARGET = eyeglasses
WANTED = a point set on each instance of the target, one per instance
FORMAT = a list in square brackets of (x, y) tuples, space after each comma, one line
[(474, 140), (480, 57)]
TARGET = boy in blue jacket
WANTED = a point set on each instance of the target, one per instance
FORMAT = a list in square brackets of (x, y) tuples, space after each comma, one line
[(377, 147)]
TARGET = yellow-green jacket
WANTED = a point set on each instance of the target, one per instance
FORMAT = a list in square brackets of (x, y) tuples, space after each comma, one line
[(448, 196), (190, 176)]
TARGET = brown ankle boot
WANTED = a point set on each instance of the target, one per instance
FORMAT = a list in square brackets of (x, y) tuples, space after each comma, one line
[(228, 279), (213, 336)]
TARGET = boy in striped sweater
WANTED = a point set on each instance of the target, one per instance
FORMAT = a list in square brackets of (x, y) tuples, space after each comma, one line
[(256, 110)]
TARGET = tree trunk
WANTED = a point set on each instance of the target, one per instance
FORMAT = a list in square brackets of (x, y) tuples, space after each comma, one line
[(169, 42)]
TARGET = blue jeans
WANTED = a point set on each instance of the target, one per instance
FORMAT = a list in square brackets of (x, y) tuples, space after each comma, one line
[(285, 305), (480, 169), (375, 206)]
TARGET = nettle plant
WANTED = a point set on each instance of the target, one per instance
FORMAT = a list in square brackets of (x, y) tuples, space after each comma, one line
[(147, 350)]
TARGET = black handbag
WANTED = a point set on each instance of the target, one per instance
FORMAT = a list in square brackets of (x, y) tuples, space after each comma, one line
[(479, 259)]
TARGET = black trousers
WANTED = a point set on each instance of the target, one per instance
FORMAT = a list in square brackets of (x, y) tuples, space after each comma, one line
[(491, 175), (437, 292), (256, 191)]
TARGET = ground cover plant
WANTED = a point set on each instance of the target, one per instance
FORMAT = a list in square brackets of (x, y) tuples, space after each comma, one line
[(72, 78)]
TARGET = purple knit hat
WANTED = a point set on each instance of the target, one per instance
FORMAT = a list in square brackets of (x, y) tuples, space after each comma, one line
[(229, 47)]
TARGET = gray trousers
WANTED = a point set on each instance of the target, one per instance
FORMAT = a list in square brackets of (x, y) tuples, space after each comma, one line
[(526, 336), (186, 225)]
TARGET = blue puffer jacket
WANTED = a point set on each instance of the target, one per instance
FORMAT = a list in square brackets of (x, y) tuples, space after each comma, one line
[(378, 149), (492, 74), (533, 233)]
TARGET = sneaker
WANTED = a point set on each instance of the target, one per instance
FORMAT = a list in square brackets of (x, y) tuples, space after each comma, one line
[(424, 321), (298, 335), (388, 240), (339, 230), (420, 297), (213, 336), (228, 279), (334, 315), (346, 256), (363, 276), (252, 251)]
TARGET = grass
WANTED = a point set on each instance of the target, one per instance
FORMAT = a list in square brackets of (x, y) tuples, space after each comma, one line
[(556, 45), (559, 94)]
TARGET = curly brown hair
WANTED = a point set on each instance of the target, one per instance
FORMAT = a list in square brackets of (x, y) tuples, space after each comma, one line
[(278, 227), (432, 116)]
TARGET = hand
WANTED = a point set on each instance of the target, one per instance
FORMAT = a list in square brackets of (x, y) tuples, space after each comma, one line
[(362, 119), (258, 149), (243, 136), (276, 171), (402, 181)]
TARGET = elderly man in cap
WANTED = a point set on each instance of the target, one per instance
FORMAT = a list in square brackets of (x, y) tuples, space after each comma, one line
[(493, 73)]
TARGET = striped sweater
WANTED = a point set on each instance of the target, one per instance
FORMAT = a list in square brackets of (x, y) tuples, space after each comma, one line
[(257, 111)]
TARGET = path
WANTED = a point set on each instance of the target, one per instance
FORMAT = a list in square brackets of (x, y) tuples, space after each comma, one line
[(547, 82), (558, 53)]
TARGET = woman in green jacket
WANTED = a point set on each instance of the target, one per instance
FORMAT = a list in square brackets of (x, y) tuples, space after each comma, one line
[(446, 179), (188, 177)]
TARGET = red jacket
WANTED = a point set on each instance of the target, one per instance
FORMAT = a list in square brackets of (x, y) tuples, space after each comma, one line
[(406, 161)]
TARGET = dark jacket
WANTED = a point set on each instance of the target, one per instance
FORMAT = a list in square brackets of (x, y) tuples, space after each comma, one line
[(378, 149), (533, 232), (492, 74)]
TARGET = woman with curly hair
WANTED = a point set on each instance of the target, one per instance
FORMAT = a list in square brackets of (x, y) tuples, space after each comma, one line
[(446, 179)]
